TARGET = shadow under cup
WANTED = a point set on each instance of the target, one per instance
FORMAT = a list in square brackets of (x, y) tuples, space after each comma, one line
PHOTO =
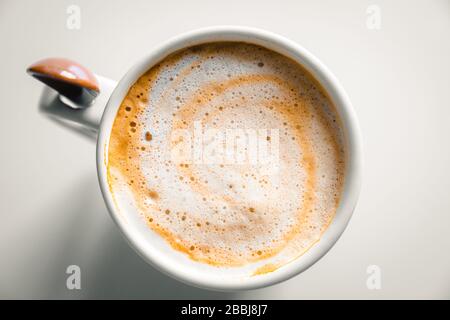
[(156, 250)]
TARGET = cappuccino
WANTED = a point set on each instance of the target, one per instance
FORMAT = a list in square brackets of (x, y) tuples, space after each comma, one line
[(232, 153)]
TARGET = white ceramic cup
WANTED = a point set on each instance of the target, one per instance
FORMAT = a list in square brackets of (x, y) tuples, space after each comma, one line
[(99, 117)]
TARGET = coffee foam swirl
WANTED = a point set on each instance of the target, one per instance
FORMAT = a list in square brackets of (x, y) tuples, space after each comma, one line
[(222, 213)]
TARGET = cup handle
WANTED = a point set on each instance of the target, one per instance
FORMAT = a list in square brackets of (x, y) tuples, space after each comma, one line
[(78, 98)]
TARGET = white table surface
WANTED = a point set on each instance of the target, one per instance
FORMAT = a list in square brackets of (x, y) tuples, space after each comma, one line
[(51, 211)]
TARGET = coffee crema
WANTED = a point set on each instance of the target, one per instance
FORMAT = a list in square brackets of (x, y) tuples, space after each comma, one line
[(228, 213)]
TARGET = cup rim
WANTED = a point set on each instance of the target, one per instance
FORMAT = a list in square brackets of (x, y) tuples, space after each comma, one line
[(352, 184)]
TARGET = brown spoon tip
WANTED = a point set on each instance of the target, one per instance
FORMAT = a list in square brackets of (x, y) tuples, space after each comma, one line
[(66, 71)]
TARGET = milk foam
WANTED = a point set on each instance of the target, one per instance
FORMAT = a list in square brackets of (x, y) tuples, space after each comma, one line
[(223, 213)]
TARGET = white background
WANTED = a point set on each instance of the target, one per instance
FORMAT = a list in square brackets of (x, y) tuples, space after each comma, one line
[(398, 78)]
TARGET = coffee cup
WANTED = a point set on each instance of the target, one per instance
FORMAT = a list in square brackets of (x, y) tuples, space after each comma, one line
[(89, 103)]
